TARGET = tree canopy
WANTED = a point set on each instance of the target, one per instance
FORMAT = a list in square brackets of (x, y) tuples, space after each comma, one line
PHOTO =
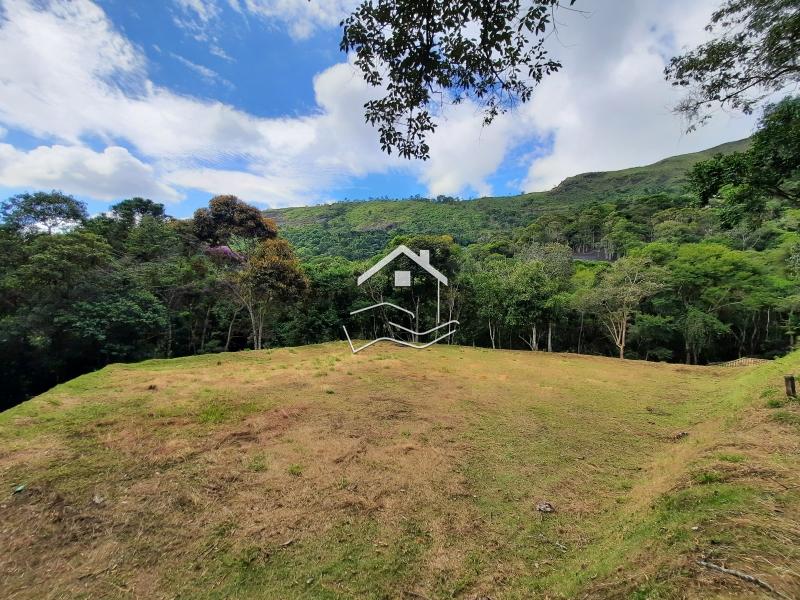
[(754, 53), (424, 53), (42, 210)]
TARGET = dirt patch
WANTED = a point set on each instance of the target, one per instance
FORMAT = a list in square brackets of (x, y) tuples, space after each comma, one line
[(360, 480)]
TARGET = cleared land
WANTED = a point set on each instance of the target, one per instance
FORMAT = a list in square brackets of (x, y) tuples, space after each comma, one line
[(312, 473)]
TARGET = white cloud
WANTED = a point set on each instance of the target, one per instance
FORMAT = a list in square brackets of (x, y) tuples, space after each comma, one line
[(219, 52), (204, 10), (69, 75), (197, 17), (464, 152), (610, 107), (301, 17), (209, 75), (106, 175), (261, 189)]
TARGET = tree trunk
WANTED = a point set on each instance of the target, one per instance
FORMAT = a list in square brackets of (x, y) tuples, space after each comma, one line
[(260, 328), (169, 336), (230, 329), (550, 336), (253, 326), (205, 328)]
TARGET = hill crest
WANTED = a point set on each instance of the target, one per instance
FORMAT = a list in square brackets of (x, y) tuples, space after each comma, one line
[(359, 230)]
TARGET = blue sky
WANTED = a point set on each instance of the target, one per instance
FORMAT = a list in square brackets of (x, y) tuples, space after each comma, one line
[(183, 99)]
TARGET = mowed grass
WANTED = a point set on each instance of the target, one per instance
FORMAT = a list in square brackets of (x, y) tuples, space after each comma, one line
[(396, 473)]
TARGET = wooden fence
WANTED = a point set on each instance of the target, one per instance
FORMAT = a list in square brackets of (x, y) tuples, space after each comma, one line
[(745, 361)]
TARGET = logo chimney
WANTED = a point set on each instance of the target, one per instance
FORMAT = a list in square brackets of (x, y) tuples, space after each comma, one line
[(425, 256)]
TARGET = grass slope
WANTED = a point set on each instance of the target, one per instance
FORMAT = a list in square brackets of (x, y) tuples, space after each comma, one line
[(313, 473), (361, 229)]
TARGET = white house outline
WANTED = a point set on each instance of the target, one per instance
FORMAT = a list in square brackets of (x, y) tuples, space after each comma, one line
[(422, 259)]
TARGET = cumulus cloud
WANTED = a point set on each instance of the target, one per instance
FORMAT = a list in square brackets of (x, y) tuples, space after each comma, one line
[(112, 173), (70, 76), (464, 152), (260, 189)]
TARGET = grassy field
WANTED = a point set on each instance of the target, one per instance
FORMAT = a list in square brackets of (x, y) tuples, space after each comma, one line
[(395, 473)]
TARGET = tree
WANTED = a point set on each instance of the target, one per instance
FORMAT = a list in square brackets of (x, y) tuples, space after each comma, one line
[(775, 153), (332, 294), (423, 52), (58, 264), (755, 53), (421, 296), (742, 184), (227, 216), (491, 285), (621, 290), (706, 177), (30, 213), (652, 335), (556, 265), (124, 218), (119, 324), (699, 330), (133, 210), (526, 299), (270, 276)]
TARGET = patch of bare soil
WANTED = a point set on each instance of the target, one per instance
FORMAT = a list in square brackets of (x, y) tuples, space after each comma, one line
[(283, 474)]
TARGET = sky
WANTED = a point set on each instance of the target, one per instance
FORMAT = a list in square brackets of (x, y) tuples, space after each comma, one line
[(181, 100)]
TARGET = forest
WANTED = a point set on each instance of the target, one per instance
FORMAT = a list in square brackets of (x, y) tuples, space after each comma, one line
[(701, 274)]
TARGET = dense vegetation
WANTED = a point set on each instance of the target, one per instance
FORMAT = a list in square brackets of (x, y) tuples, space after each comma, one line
[(704, 275), (359, 230)]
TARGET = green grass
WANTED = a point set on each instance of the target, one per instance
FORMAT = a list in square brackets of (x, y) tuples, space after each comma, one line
[(786, 417), (242, 476)]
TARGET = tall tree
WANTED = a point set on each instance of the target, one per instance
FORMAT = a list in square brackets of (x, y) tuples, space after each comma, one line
[(621, 290), (271, 275), (227, 216), (42, 211), (770, 167)]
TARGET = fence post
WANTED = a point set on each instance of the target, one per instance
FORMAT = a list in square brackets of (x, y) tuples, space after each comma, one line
[(791, 391)]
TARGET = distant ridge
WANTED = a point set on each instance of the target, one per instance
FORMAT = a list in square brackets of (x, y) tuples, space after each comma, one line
[(358, 230), (665, 175)]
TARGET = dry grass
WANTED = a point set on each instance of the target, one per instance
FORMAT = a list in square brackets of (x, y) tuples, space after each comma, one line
[(312, 473)]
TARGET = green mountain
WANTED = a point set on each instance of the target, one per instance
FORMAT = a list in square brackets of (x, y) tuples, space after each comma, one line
[(361, 229)]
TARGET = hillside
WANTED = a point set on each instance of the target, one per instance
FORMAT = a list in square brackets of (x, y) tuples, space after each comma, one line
[(314, 473), (361, 229)]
